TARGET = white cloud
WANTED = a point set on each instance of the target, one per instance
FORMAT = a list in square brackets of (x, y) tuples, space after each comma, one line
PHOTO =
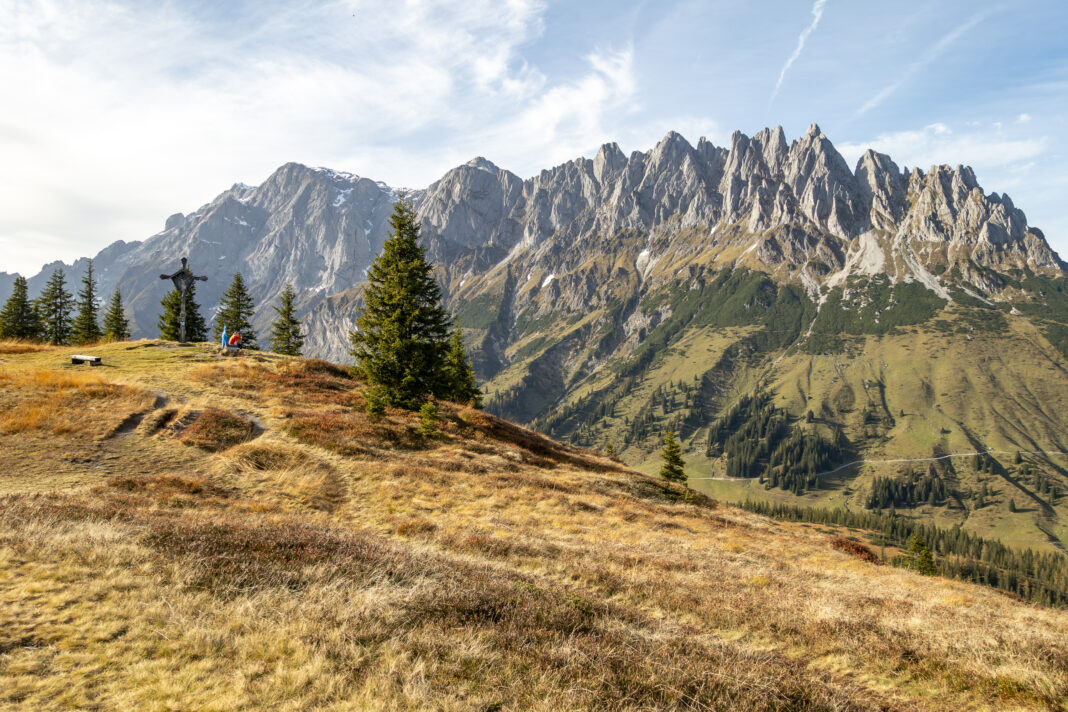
[(566, 120), (982, 148), (127, 112), (930, 56), (817, 15), (1023, 119)]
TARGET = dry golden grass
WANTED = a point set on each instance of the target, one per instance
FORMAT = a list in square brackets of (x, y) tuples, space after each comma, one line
[(15, 346), (71, 403), (486, 568)]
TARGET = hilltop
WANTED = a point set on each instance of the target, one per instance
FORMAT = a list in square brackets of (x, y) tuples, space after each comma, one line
[(179, 530)]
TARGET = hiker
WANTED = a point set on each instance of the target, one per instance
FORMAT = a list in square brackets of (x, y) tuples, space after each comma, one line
[(235, 340)]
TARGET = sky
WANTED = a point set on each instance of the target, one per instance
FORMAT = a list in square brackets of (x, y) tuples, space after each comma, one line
[(117, 114)]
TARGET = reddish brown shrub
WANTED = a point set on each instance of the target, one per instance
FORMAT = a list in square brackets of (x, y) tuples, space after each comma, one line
[(215, 430), (855, 548)]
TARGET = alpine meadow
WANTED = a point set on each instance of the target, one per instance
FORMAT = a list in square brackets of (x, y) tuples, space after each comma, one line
[(729, 420)]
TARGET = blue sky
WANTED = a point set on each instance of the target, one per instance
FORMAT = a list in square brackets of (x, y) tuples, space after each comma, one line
[(117, 114)]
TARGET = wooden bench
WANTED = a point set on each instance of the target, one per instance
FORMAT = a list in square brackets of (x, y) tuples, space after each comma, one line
[(91, 360)]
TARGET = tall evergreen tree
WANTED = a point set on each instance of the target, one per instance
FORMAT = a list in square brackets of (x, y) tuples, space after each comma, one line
[(116, 325), (460, 373), (235, 311), (85, 329), (673, 467), (18, 319), (401, 338), (195, 328), (53, 308), (285, 332)]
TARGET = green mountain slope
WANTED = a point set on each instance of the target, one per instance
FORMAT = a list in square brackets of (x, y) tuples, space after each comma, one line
[(880, 380)]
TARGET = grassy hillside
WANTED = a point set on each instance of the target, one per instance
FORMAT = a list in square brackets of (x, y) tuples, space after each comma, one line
[(184, 531)]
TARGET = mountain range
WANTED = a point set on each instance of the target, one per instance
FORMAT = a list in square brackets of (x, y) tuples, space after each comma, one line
[(849, 319)]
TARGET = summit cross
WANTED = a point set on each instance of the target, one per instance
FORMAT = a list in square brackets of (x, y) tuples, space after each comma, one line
[(183, 279)]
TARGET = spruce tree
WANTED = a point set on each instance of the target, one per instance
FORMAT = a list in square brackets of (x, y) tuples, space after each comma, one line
[(195, 328), (920, 559), (116, 325), (460, 373), (401, 338), (673, 464), (53, 308), (285, 332), (235, 310), (85, 329), (18, 319)]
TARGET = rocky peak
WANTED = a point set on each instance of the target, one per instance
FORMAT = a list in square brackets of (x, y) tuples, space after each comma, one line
[(773, 148), (174, 221), (826, 190), (469, 207), (482, 164), (714, 157), (672, 149), (609, 160), (884, 189)]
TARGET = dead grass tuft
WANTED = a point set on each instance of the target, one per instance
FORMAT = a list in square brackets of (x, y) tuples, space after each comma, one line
[(215, 429), (312, 368), (165, 484), (287, 472), (350, 432), (14, 346), (260, 456), (227, 559), (415, 526)]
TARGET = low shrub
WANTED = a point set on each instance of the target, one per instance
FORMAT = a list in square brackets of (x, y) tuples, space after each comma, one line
[(855, 548), (216, 429)]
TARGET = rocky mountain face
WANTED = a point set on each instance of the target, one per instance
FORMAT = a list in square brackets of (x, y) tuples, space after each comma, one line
[(315, 228), (883, 312), (794, 210)]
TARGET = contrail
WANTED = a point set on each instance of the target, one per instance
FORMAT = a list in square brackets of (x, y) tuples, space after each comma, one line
[(934, 53), (817, 13)]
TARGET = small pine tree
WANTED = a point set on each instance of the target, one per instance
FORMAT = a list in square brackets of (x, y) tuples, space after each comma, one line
[(195, 328), (609, 449), (673, 467), (18, 319), (235, 311), (920, 559), (116, 325), (285, 332), (428, 419), (401, 338), (85, 329), (461, 375), (1012, 505), (376, 405), (53, 308)]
